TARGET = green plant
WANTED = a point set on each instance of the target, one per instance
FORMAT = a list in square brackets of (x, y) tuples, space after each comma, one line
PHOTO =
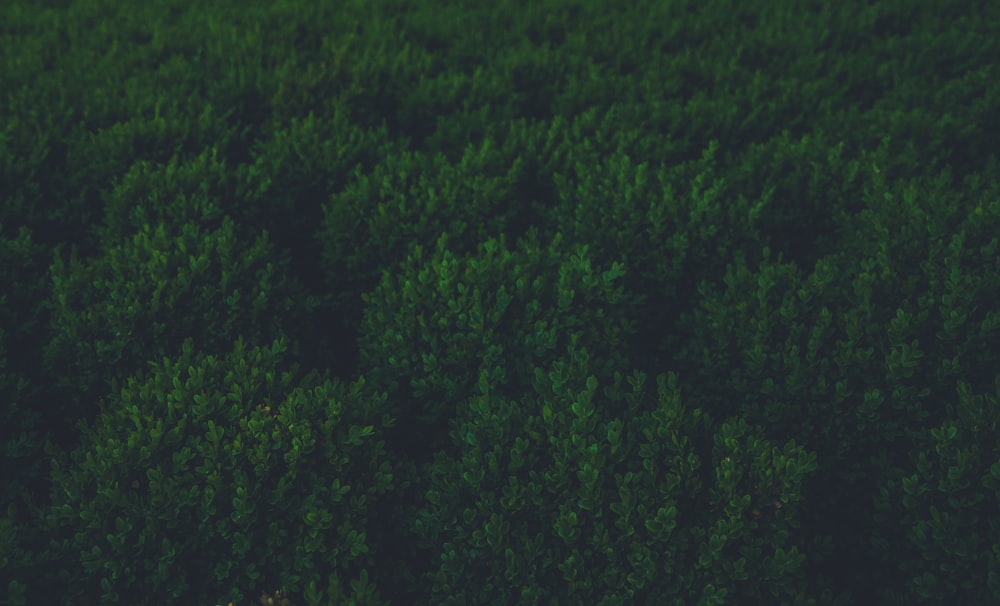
[(565, 493), (208, 472), (432, 328), (142, 297)]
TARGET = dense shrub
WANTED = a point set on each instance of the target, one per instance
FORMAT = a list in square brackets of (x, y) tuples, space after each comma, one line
[(935, 510), (411, 198), (567, 494), (209, 479), (294, 172), (804, 197), (23, 415), (20, 315), (936, 516), (858, 359), (144, 296), (445, 323), (432, 327), (674, 226), (272, 195), (20, 443), (197, 189)]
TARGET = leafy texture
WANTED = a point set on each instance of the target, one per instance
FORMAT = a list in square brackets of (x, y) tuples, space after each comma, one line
[(215, 477), (143, 297), (433, 328), (571, 494)]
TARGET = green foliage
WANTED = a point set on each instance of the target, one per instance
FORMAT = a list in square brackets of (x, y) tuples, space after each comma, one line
[(797, 183), (143, 297), (294, 172), (432, 328), (22, 415), (447, 325), (857, 357), (20, 422), (172, 193), (568, 494), (412, 198), (211, 478), (937, 515), (20, 442), (804, 196)]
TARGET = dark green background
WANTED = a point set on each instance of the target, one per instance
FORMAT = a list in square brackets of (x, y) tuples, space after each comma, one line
[(414, 228)]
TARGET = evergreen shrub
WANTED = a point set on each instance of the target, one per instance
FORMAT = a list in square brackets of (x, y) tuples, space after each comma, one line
[(432, 327), (860, 358), (208, 478), (368, 227), (171, 193), (675, 226), (564, 493), (143, 296), (22, 291), (19, 441), (22, 417), (936, 517)]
